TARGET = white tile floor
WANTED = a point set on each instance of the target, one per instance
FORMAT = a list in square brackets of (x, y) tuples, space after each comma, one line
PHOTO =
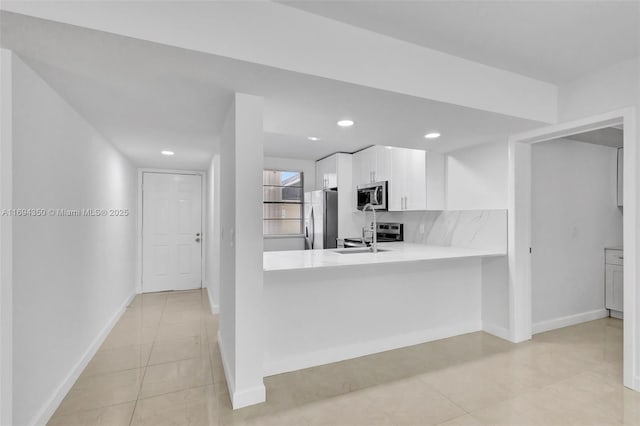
[(161, 366)]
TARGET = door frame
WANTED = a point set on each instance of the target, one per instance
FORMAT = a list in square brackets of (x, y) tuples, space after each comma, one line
[(6, 239), (519, 224), (203, 246)]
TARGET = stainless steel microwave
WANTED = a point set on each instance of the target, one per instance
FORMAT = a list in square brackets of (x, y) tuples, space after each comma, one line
[(373, 193)]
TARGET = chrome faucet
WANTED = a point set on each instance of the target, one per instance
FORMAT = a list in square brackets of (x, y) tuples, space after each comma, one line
[(374, 227)]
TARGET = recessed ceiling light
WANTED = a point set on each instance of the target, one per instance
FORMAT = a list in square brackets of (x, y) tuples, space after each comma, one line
[(313, 138), (389, 147), (346, 123), (432, 135), (167, 152)]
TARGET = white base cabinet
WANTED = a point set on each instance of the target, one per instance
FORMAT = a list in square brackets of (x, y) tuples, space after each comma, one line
[(614, 282)]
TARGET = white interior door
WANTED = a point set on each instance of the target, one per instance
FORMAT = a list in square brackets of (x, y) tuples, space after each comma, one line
[(171, 232)]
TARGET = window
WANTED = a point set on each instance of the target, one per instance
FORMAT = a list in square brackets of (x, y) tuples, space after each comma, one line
[(283, 198)]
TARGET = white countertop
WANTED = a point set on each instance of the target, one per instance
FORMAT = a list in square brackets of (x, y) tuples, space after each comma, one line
[(397, 252)]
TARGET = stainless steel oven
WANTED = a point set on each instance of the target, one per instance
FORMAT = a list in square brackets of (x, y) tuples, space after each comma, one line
[(386, 233), (373, 193)]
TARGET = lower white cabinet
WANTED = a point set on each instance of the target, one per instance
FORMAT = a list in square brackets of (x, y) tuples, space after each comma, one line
[(614, 280)]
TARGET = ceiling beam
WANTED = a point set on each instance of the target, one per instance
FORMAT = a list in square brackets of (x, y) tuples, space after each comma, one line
[(279, 36)]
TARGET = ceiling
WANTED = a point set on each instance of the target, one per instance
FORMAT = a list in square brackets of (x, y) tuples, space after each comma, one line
[(147, 97), (610, 136), (554, 41)]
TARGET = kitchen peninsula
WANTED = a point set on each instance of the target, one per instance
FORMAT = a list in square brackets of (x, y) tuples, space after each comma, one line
[(323, 306)]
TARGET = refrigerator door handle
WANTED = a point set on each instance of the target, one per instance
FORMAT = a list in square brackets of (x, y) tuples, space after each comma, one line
[(307, 242), (313, 229)]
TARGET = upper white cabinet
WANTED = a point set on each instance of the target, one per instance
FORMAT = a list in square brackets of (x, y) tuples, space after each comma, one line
[(620, 175), (371, 165), (416, 177), (408, 180), (327, 172)]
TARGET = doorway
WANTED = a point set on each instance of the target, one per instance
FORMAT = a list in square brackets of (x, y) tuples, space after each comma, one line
[(171, 231), (576, 229), (520, 227)]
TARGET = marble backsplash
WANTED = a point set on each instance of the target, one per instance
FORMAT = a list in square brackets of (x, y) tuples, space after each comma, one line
[(462, 228)]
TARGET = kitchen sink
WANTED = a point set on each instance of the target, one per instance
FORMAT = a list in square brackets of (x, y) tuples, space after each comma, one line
[(357, 250)]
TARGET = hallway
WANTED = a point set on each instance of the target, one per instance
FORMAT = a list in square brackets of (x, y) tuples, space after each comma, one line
[(161, 365), (156, 359)]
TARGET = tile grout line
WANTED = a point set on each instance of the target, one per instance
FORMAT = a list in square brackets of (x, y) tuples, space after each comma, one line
[(145, 365), (429, 385), (207, 311), (212, 384), (144, 374)]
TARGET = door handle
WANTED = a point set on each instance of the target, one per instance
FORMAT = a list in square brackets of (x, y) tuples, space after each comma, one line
[(197, 240), (198, 234)]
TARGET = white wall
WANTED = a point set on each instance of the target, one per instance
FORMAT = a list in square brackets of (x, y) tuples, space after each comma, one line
[(308, 168), (283, 243), (477, 177), (614, 86), (72, 275), (227, 251), (241, 248), (495, 296), (574, 217), (212, 234)]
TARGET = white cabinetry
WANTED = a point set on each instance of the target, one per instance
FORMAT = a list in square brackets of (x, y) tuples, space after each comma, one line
[(416, 177), (408, 179), (614, 280), (371, 165), (327, 172)]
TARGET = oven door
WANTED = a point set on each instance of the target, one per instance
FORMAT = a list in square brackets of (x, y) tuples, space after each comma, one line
[(374, 194)]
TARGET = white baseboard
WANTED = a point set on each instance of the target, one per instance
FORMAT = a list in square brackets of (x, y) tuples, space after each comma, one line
[(541, 327), (496, 330), (240, 398), (227, 373), (616, 314), (214, 307), (327, 356), (50, 407), (247, 397)]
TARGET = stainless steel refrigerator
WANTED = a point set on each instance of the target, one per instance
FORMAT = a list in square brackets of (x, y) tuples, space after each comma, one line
[(321, 219)]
